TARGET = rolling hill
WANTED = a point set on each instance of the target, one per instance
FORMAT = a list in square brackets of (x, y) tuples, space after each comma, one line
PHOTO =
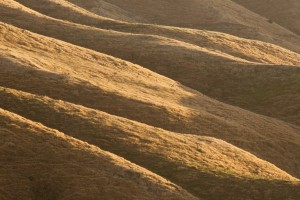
[(106, 100), (212, 73), (285, 14), (251, 50), (216, 15), (30, 67), (39, 163)]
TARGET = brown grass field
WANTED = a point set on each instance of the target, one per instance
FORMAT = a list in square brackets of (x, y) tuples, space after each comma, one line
[(149, 100)]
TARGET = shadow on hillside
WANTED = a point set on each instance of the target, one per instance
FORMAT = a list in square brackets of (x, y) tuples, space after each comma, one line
[(66, 88)]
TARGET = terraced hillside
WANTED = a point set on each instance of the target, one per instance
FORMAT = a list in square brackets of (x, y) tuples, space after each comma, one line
[(94, 105)]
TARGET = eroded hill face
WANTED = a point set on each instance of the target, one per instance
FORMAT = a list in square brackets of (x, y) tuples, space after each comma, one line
[(72, 96)]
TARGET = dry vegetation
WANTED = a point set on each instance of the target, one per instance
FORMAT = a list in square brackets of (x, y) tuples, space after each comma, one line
[(255, 51), (194, 162), (41, 163), (74, 120), (282, 13), (216, 15), (213, 73)]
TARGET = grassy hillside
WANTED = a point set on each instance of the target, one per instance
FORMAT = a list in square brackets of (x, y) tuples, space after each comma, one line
[(193, 162), (213, 73), (121, 88), (100, 99), (250, 50), (281, 12), (217, 15), (39, 163)]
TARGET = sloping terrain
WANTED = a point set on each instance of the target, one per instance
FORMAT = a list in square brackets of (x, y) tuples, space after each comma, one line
[(262, 88), (251, 50), (191, 164), (217, 15), (31, 67), (120, 88), (41, 163), (281, 12), (60, 95), (191, 161)]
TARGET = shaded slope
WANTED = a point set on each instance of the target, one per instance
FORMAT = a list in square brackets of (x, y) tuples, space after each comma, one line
[(193, 162), (215, 74), (79, 92), (108, 10), (41, 163), (117, 87), (285, 13), (218, 15), (247, 49)]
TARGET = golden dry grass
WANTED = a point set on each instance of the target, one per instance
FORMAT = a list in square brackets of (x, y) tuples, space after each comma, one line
[(251, 50), (217, 15), (211, 149), (213, 73), (281, 12), (124, 89), (41, 163), (119, 88), (193, 162)]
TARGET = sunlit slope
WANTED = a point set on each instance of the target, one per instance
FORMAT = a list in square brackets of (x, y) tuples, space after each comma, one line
[(40, 163), (193, 162), (248, 49), (97, 81), (285, 13), (108, 10), (218, 15), (153, 137), (214, 73)]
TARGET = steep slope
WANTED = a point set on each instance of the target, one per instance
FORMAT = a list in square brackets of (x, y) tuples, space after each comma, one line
[(213, 73), (218, 15), (40, 163), (97, 81), (192, 162), (285, 13)]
